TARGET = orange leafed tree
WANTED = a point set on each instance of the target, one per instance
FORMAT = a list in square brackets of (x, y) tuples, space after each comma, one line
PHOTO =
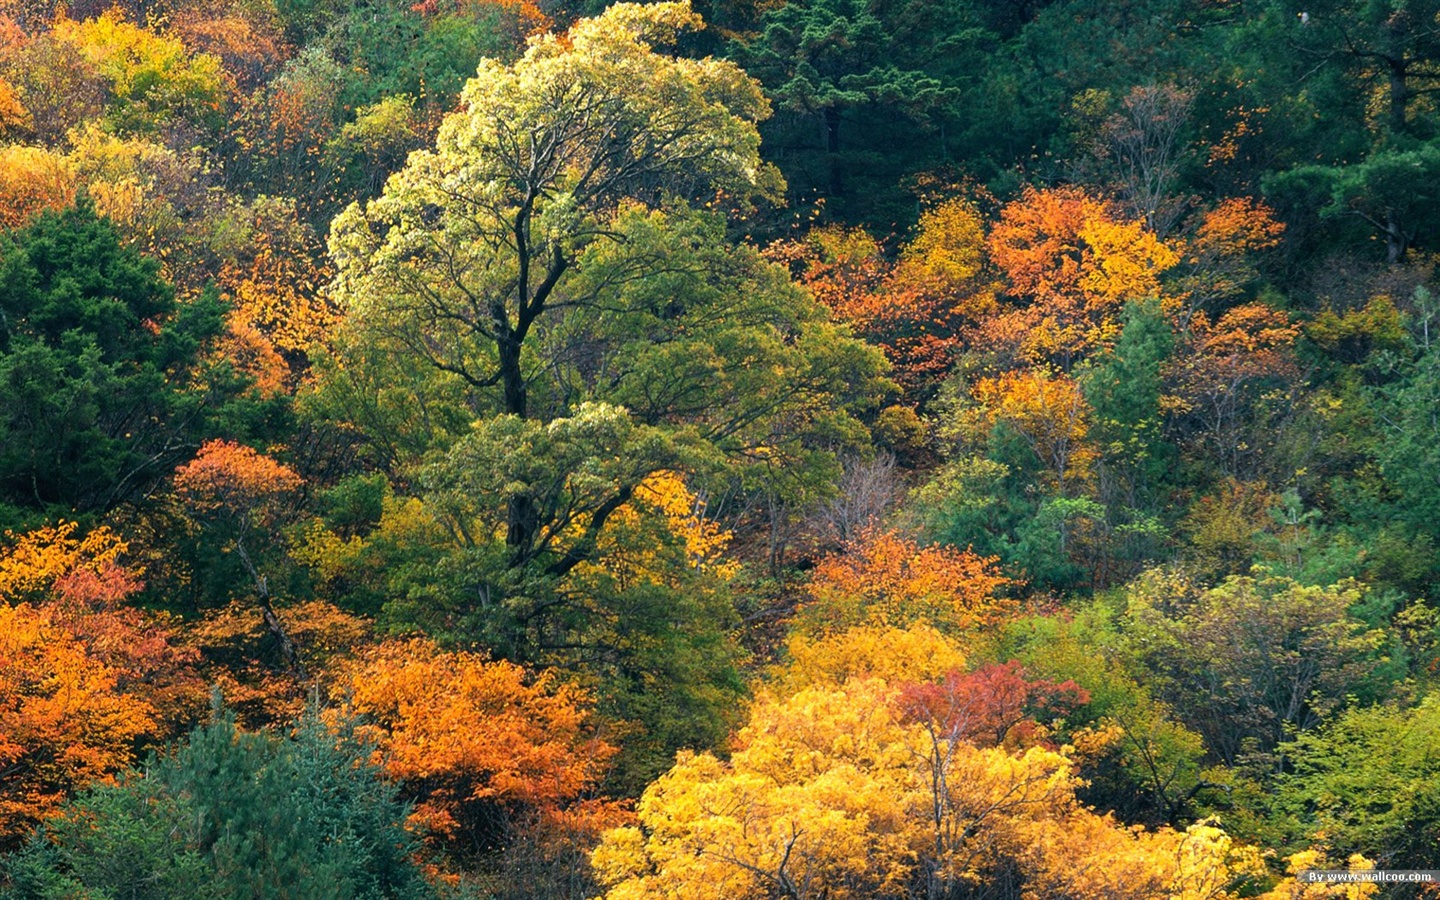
[(1220, 253), (1071, 262), (14, 117), (915, 309), (888, 580), (64, 722), (238, 656), (1223, 368), (231, 480), (244, 497), (81, 586), (275, 286), (83, 675), (469, 736)]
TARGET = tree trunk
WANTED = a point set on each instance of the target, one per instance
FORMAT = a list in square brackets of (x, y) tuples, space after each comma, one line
[(1399, 96), (832, 147)]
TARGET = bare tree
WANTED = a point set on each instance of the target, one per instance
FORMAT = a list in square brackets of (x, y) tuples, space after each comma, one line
[(868, 491), (1142, 143)]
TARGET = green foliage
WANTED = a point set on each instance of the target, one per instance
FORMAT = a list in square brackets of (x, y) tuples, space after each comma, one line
[(1391, 193), (1368, 781), (1254, 660), (1407, 452), (870, 89), (1149, 767), (1124, 388), (95, 356), (232, 814)]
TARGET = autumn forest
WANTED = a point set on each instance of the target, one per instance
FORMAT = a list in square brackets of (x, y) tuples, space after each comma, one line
[(719, 449)]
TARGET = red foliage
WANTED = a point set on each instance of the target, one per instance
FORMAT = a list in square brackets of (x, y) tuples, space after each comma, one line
[(992, 706)]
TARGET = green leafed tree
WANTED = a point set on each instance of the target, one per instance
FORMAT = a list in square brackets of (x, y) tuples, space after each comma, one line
[(522, 269), (1369, 781), (540, 314), (95, 356), (232, 814)]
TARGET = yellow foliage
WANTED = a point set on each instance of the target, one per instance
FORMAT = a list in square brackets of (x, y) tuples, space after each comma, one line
[(832, 793), (840, 246), (916, 653), (631, 556), (1290, 888), (1088, 857), (949, 247), (117, 172), (33, 561), (32, 179), (820, 794), (1128, 261), (151, 74), (1048, 411), (684, 513)]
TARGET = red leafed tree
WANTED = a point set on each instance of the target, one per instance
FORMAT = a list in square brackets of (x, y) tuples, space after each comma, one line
[(993, 706)]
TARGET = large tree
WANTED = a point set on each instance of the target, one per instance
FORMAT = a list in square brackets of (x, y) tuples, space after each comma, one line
[(540, 314), (544, 255)]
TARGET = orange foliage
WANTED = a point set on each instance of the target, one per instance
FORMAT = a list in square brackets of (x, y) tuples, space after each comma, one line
[(247, 48), (240, 656), (1248, 342), (1223, 370), (64, 719), (1072, 263), (253, 356), (13, 115), (888, 580), (231, 480), (1237, 226), (839, 266), (32, 179), (276, 286), (139, 648), (1220, 252), (458, 728), (914, 310), (80, 585)]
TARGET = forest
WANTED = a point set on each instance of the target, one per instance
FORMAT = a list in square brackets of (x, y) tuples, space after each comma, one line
[(719, 449)]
